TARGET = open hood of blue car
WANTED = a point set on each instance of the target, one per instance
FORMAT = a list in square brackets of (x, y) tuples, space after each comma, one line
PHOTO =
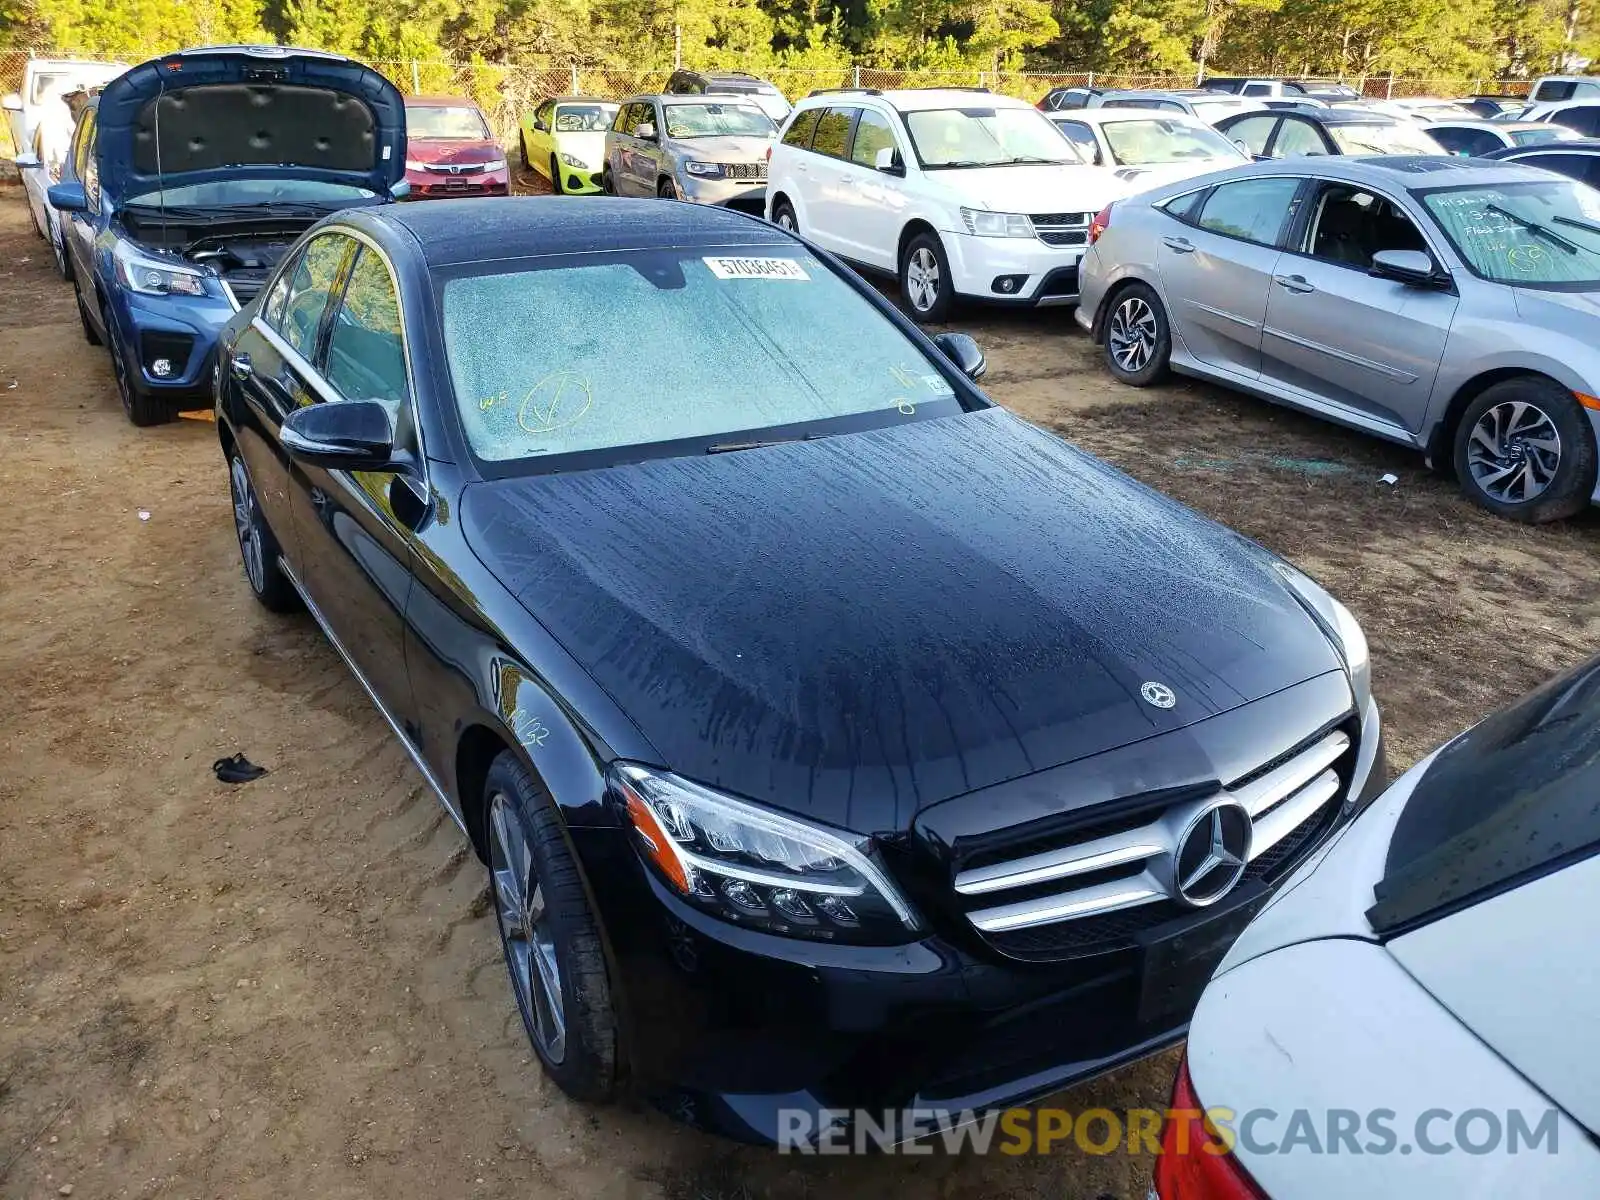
[(249, 112)]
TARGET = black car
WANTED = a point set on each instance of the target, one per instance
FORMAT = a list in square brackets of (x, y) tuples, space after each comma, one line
[(1578, 160), (1062, 99), (832, 736), (1489, 107), (1313, 131), (759, 92)]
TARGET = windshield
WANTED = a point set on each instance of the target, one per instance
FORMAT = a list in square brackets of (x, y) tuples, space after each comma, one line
[(1508, 801), (717, 120), (584, 118), (1163, 140), (1395, 138), (721, 346), (1545, 133), (455, 123), (223, 193), (1531, 234), (985, 137)]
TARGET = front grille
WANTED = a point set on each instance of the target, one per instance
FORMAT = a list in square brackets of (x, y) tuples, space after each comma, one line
[(1062, 229), (456, 169), (1077, 218), (1064, 237), (752, 171), (1091, 889)]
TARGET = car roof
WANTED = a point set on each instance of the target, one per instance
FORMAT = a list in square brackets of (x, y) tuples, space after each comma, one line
[(1576, 145), (1104, 116), (1404, 170), (482, 229), (577, 99), (680, 98), (920, 99)]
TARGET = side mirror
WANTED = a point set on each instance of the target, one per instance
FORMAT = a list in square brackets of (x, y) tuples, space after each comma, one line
[(963, 351), (12, 102), (888, 161), (646, 132), (1244, 146), (24, 161), (68, 197), (1410, 267), (540, 125), (344, 435)]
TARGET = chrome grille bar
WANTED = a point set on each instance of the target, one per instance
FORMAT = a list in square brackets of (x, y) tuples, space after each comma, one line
[(1260, 795), (1085, 902), (1287, 817)]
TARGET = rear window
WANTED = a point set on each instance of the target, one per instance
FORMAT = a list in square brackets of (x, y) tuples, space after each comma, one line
[(1513, 798)]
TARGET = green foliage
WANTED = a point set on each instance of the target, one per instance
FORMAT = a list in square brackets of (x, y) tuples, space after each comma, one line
[(923, 38)]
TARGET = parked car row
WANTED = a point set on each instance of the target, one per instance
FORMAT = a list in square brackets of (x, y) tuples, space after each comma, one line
[(970, 828)]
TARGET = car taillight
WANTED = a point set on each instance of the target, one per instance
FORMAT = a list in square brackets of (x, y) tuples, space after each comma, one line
[(1190, 1167), (1101, 222), (769, 153)]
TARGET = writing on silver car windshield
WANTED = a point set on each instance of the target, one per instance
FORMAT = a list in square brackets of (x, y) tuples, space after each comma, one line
[(716, 120)]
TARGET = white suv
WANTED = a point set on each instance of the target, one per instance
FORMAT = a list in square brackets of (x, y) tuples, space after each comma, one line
[(958, 191)]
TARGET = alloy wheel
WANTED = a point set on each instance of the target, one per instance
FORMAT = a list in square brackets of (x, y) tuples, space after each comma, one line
[(922, 279), (526, 930), (1131, 337), (1514, 452), (786, 221), (244, 522)]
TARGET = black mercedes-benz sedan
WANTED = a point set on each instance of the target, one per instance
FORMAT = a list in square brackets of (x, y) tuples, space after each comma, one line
[(832, 737)]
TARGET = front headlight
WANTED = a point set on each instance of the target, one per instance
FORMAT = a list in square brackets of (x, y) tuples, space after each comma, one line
[(573, 161), (1341, 626), (750, 866), (994, 224), (704, 169), (153, 276), (414, 165), (495, 164)]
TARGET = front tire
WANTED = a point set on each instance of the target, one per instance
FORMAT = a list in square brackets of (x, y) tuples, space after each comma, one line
[(1138, 340), (257, 547), (522, 142), (555, 177), (1524, 450), (90, 333), (783, 216), (548, 934), (666, 189), (141, 409), (607, 184), (925, 279)]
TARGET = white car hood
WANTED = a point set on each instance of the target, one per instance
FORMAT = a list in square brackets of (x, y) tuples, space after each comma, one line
[(1030, 188), (1142, 179)]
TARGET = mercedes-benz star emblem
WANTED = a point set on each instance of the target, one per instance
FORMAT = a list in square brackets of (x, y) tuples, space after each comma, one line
[(1158, 694), (1212, 854)]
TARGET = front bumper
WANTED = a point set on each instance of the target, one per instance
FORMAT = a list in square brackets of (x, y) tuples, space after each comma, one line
[(579, 181), (743, 194), (182, 330), (437, 185), (1038, 274), (763, 1038)]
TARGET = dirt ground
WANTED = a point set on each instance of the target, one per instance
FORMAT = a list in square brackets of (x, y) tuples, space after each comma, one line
[(293, 987)]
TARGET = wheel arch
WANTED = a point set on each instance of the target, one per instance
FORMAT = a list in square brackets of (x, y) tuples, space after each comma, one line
[(476, 749), (1440, 446), (1097, 329), (913, 227)]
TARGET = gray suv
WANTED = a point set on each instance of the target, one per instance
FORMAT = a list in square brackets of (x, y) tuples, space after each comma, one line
[(1451, 304), (708, 149)]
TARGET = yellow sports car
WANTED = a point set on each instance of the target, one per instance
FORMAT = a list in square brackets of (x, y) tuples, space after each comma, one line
[(564, 139)]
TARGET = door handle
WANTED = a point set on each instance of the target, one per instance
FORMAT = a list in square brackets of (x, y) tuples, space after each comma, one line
[(1293, 283), (241, 366), (1181, 245)]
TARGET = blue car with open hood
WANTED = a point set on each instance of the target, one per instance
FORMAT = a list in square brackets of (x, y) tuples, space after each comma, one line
[(193, 176)]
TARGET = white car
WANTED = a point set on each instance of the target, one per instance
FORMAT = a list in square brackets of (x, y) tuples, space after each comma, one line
[(1416, 1012), (1471, 138), (956, 191), (1580, 116), (44, 79), (1210, 106), (1145, 148), (1423, 109)]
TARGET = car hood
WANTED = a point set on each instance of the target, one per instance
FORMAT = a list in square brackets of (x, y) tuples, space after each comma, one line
[(732, 149), (1032, 188), (442, 151), (1572, 311), (857, 627), (199, 116), (1143, 178), (590, 146)]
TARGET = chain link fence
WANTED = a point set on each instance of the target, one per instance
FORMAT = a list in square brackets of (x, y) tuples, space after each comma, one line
[(505, 91)]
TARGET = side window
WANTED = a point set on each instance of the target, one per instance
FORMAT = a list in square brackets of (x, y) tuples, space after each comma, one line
[(1082, 137), (1258, 89), (1349, 226), (636, 114), (313, 282), (1185, 208), (83, 143), (1573, 166), (619, 123), (1251, 209), (1454, 141), (1298, 139), (833, 131), (801, 128), (1549, 91), (272, 307), (1253, 132), (545, 113), (366, 353), (88, 161), (872, 134)]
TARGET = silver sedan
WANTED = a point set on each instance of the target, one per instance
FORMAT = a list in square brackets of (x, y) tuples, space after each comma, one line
[(1449, 304)]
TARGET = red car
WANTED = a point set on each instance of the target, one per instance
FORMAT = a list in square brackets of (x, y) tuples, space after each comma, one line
[(450, 151)]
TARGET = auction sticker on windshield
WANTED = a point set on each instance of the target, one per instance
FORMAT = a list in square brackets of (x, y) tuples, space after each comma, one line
[(756, 268)]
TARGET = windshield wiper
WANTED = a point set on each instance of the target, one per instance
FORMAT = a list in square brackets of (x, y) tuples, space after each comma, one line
[(731, 447), (1574, 223), (1535, 228)]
